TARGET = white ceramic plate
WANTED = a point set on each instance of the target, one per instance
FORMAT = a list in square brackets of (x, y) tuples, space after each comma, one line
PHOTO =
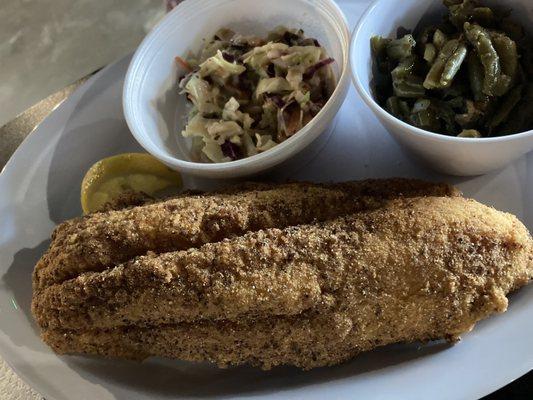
[(40, 188)]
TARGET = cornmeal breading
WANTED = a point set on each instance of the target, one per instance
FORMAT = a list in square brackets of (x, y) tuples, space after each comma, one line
[(102, 240), (309, 295)]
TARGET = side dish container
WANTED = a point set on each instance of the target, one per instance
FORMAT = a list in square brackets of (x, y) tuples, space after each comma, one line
[(156, 113)]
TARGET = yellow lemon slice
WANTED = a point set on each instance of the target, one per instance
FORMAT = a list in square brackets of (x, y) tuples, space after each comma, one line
[(107, 179)]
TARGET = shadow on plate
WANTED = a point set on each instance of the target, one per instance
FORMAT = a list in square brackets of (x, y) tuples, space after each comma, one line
[(18, 279), (170, 379)]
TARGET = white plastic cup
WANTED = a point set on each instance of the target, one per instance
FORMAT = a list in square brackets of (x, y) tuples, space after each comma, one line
[(156, 113), (448, 154)]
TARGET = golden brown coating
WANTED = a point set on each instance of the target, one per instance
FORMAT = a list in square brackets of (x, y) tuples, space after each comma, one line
[(102, 240), (310, 295)]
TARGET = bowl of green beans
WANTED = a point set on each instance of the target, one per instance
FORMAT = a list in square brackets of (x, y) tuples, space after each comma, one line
[(451, 80)]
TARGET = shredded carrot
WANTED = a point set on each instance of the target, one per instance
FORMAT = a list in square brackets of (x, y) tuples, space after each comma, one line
[(183, 63)]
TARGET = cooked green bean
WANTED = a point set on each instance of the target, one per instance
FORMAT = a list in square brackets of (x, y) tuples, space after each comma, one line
[(449, 3), (522, 119), (426, 34), (506, 49), (425, 119), (483, 16), (457, 88), (446, 115), (476, 76), (508, 104), (379, 45), (439, 39), (409, 87), (456, 102), (421, 105), (470, 117), (460, 11), (401, 48), (430, 52), (512, 29), (397, 107), (404, 108), (435, 74), (470, 133), (467, 76), (403, 69), (480, 39), (503, 85), (451, 68), (393, 106)]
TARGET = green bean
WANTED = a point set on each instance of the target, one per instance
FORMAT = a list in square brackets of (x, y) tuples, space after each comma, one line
[(456, 102), (508, 53), (467, 10), (401, 48), (424, 36), (469, 133), (439, 39), (403, 69), (483, 16), (445, 114), (470, 117), (397, 107), (392, 105), (512, 29), (460, 12), (457, 88), (425, 119), (421, 105), (503, 85), (508, 104), (430, 52), (404, 107), (522, 119), (379, 45), (452, 65), (476, 76), (404, 83), (449, 3), (433, 78), (410, 87), (480, 40)]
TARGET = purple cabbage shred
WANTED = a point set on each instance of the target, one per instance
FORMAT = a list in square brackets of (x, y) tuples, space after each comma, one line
[(277, 100), (228, 57), (314, 68), (231, 150)]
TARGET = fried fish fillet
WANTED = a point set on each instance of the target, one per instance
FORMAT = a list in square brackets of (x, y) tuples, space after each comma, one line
[(102, 240), (310, 295)]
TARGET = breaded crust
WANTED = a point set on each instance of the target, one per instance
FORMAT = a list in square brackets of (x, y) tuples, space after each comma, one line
[(103, 240), (309, 295)]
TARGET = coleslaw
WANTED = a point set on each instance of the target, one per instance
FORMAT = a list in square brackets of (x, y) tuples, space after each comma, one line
[(248, 94)]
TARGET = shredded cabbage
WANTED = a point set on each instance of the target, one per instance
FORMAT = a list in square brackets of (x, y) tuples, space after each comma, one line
[(202, 95), (249, 94), (272, 85), (218, 66)]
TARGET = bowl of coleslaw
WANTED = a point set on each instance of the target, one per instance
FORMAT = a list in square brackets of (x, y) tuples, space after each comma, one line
[(231, 88)]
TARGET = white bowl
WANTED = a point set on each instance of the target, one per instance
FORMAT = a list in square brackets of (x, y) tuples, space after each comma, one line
[(156, 113), (451, 155)]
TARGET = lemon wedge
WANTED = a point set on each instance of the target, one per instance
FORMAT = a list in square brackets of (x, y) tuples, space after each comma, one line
[(110, 177)]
